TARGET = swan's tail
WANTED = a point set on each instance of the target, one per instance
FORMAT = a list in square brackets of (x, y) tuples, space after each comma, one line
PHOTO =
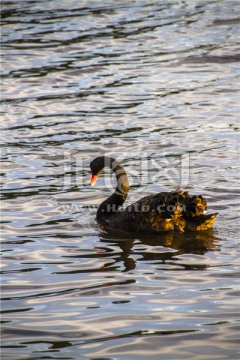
[(202, 222)]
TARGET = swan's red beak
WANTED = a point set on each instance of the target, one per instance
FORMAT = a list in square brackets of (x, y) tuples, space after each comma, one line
[(93, 179)]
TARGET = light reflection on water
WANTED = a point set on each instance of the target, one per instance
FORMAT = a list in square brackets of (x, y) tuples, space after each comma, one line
[(149, 84)]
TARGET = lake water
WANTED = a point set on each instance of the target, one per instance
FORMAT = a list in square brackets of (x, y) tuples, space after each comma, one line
[(155, 85)]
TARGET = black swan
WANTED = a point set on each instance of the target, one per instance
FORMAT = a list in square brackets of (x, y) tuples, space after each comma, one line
[(155, 213)]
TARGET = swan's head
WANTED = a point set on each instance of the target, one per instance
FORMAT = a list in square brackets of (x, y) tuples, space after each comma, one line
[(96, 166), (196, 206)]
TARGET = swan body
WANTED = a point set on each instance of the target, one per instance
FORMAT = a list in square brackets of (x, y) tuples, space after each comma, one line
[(165, 211)]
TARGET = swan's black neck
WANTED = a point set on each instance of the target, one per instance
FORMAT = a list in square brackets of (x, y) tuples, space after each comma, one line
[(110, 206)]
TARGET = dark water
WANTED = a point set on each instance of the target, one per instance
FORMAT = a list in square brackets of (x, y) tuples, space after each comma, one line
[(154, 84)]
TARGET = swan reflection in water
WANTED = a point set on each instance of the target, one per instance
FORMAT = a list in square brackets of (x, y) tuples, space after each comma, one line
[(148, 247)]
